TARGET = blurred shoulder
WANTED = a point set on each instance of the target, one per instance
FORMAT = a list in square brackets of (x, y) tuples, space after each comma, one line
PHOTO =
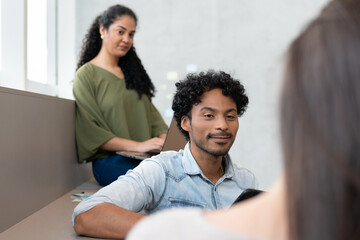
[(168, 224)]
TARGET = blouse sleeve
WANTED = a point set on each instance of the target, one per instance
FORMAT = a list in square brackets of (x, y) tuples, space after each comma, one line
[(92, 131), (158, 124)]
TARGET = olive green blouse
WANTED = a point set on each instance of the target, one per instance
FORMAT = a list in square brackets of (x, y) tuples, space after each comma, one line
[(105, 108)]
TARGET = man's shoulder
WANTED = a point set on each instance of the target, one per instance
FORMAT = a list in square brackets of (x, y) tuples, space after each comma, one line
[(171, 161), (169, 157), (244, 176)]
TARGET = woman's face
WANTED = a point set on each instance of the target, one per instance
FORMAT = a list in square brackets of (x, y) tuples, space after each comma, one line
[(118, 39)]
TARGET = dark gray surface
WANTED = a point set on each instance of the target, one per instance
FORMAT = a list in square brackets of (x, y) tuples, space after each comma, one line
[(38, 156)]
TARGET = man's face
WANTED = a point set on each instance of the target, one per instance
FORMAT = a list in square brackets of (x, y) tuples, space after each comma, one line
[(213, 125)]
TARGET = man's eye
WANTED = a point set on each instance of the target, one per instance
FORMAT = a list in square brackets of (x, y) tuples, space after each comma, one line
[(208, 116), (231, 117)]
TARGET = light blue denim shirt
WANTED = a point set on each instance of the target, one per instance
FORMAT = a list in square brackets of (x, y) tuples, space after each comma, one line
[(171, 179)]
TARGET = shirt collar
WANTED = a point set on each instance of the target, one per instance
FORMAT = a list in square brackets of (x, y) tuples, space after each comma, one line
[(192, 168)]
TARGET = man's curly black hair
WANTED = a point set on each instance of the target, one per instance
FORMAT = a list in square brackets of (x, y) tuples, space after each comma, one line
[(190, 90)]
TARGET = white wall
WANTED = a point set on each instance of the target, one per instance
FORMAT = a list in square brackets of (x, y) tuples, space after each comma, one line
[(245, 38), (66, 54)]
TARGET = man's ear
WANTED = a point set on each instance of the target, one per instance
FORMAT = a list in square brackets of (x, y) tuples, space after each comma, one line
[(185, 123)]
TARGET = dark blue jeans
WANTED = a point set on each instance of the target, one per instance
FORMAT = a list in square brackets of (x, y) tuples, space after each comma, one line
[(106, 170)]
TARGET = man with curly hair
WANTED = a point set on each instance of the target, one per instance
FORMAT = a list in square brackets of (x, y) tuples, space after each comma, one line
[(206, 108)]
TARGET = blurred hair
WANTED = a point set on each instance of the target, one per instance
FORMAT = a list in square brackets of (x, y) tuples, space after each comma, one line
[(320, 124), (135, 74), (190, 90)]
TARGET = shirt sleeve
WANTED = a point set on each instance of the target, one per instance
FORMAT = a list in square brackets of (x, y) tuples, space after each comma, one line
[(92, 131), (140, 189), (158, 124)]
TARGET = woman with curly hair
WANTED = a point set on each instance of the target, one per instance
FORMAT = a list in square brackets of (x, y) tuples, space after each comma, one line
[(113, 97)]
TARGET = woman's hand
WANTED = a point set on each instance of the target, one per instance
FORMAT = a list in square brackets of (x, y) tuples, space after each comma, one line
[(121, 144), (163, 136), (153, 144)]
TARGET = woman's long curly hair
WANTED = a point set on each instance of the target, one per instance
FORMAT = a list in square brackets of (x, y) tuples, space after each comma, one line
[(135, 74)]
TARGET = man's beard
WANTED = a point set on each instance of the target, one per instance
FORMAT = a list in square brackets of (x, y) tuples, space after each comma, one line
[(221, 152)]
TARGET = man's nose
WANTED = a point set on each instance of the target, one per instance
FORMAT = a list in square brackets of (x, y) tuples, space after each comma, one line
[(221, 124)]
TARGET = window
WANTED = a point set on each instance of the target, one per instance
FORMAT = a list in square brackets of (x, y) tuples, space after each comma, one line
[(36, 29), (41, 46), (37, 49)]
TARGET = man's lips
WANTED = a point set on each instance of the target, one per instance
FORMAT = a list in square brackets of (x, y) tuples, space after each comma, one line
[(220, 137)]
